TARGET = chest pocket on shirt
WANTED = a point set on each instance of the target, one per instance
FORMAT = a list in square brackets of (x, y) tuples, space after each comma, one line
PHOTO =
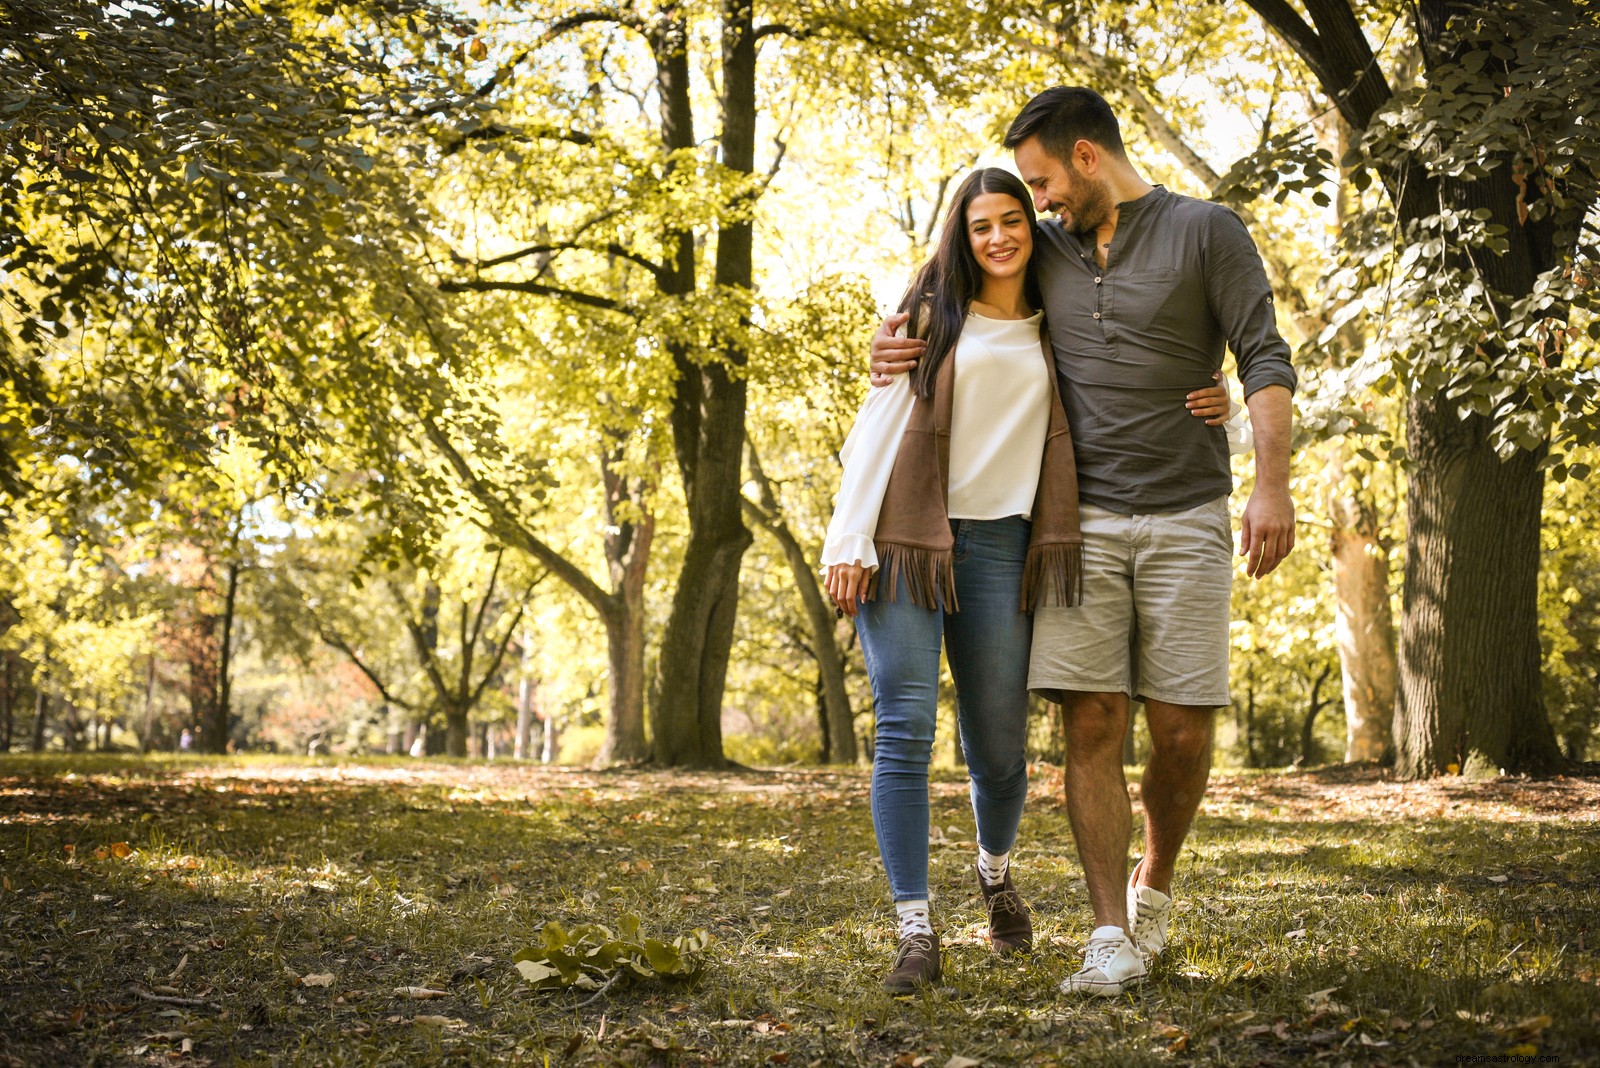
[(1141, 295)]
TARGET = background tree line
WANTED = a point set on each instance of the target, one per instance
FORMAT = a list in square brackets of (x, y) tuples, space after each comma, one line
[(373, 375)]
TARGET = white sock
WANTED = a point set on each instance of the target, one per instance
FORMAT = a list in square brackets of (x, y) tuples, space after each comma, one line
[(913, 917), (992, 867)]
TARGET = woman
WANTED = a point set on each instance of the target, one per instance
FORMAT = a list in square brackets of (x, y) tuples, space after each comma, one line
[(957, 514)]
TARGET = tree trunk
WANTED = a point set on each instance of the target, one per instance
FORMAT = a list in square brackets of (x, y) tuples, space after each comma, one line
[(838, 718), (686, 709), (1470, 698), (1308, 741), (1365, 624), (7, 713), (526, 685), (221, 712), (147, 735), (550, 750), (455, 730), (1469, 693), (630, 530)]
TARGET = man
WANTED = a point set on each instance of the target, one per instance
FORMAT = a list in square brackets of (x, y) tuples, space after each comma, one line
[(1142, 288)]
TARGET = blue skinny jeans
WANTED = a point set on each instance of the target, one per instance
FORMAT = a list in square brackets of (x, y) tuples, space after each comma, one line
[(987, 642)]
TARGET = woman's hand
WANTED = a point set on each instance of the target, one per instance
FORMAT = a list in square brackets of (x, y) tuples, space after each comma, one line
[(847, 585), (1211, 403)]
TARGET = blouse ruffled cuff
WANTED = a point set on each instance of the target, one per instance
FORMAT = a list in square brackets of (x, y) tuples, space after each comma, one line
[(850, 549)]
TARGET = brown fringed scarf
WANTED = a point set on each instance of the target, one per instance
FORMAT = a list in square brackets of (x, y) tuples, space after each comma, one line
[(914, 539)]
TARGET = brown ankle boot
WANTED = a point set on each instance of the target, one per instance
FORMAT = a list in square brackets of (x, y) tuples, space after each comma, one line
[(916, 963), (1010, 928)]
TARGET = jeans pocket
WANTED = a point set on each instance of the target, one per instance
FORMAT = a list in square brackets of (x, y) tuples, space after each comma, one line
[(961, 530)]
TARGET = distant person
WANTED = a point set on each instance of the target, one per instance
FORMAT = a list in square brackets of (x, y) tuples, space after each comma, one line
[(957, 514), (185, 740), (1143, 289)]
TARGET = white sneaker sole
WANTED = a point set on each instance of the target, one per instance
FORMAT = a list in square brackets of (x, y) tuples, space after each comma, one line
[(1104, 988)]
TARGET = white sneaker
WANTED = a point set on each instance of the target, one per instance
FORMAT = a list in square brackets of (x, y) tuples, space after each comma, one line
[(1149, 911), (1111, 964)]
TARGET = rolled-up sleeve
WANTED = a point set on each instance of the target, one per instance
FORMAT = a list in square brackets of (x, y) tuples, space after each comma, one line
[(868, 457), (1241, 301)]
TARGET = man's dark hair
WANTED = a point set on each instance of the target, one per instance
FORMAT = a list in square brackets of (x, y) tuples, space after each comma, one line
[(1063, 116)]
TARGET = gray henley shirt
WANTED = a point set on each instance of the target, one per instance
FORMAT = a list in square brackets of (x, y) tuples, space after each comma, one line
[(1182, 278)]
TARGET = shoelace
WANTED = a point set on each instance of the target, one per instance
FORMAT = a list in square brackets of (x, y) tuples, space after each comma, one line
[(1098, 953), (1006, 901), (915, 946)]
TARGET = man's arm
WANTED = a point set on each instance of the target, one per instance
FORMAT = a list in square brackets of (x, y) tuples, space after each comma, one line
[(893, 355), (1267, 533)]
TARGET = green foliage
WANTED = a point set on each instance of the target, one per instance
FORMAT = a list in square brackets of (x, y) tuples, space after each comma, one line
[(590, 956)]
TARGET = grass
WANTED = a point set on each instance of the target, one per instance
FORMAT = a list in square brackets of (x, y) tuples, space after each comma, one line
[(1331, 918)]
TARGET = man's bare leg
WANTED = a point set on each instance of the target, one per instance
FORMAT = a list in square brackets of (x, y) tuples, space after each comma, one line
[(1173, 785), (1097, 800)]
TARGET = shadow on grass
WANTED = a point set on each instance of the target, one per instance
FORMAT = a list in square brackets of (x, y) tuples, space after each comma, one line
[(269, 912)]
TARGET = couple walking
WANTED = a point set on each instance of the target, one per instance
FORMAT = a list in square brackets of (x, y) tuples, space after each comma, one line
[(1040, 486)]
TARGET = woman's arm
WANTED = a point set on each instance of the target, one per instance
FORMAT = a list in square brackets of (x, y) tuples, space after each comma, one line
[(868, 457)]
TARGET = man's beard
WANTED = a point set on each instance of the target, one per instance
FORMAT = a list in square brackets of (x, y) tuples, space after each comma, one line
[(1093, 212)]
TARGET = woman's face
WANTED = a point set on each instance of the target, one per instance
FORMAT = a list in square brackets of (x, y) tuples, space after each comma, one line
[(1001, 236)]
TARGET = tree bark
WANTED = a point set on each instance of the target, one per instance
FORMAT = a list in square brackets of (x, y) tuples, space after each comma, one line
[(838, 718), (1308, 741), (221, 711), (630, 529), (686, 709), (1365, 623), (1469, 694), (41, 704), (525, 698), (7, 714)]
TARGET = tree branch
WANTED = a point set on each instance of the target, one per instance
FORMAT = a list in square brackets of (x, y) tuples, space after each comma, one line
[(344, 647), (775, 28), (504, 523), (610, 249), (494, 131), (500, 651), (484, 285)]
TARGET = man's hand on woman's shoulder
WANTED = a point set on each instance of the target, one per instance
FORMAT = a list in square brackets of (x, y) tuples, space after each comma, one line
[(893, 355)]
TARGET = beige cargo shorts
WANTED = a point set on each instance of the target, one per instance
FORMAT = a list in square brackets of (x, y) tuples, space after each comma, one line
[(1154, 619)]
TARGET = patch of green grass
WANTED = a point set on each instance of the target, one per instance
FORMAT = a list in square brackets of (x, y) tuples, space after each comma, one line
[(204, 903)]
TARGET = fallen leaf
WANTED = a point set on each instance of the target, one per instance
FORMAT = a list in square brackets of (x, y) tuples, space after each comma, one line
[(1498, 878), (318, 979), (420, 993), (435, 1021), (958, 1061), (1297, 933), (121, 850)]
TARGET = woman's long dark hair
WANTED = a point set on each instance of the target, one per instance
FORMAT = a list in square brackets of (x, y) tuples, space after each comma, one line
[(943, 287)]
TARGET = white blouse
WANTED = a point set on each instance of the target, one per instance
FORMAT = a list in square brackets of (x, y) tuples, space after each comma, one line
[(999, 417)]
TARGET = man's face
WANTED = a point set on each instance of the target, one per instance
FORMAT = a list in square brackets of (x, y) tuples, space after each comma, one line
[(1083, 203)]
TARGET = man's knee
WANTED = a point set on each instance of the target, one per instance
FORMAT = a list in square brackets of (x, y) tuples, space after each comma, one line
[(1180, 732), (1096, 721)]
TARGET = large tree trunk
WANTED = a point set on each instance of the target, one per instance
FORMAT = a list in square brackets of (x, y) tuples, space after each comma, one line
[(686, 710), (1470, 662), (1469, 693), (1365, 625)]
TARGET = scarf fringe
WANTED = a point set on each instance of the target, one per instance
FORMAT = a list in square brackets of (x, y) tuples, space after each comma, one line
[(1053, 576), (930, 575)]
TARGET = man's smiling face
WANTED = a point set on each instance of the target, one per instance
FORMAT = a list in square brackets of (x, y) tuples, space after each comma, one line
[(1084, 203)]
